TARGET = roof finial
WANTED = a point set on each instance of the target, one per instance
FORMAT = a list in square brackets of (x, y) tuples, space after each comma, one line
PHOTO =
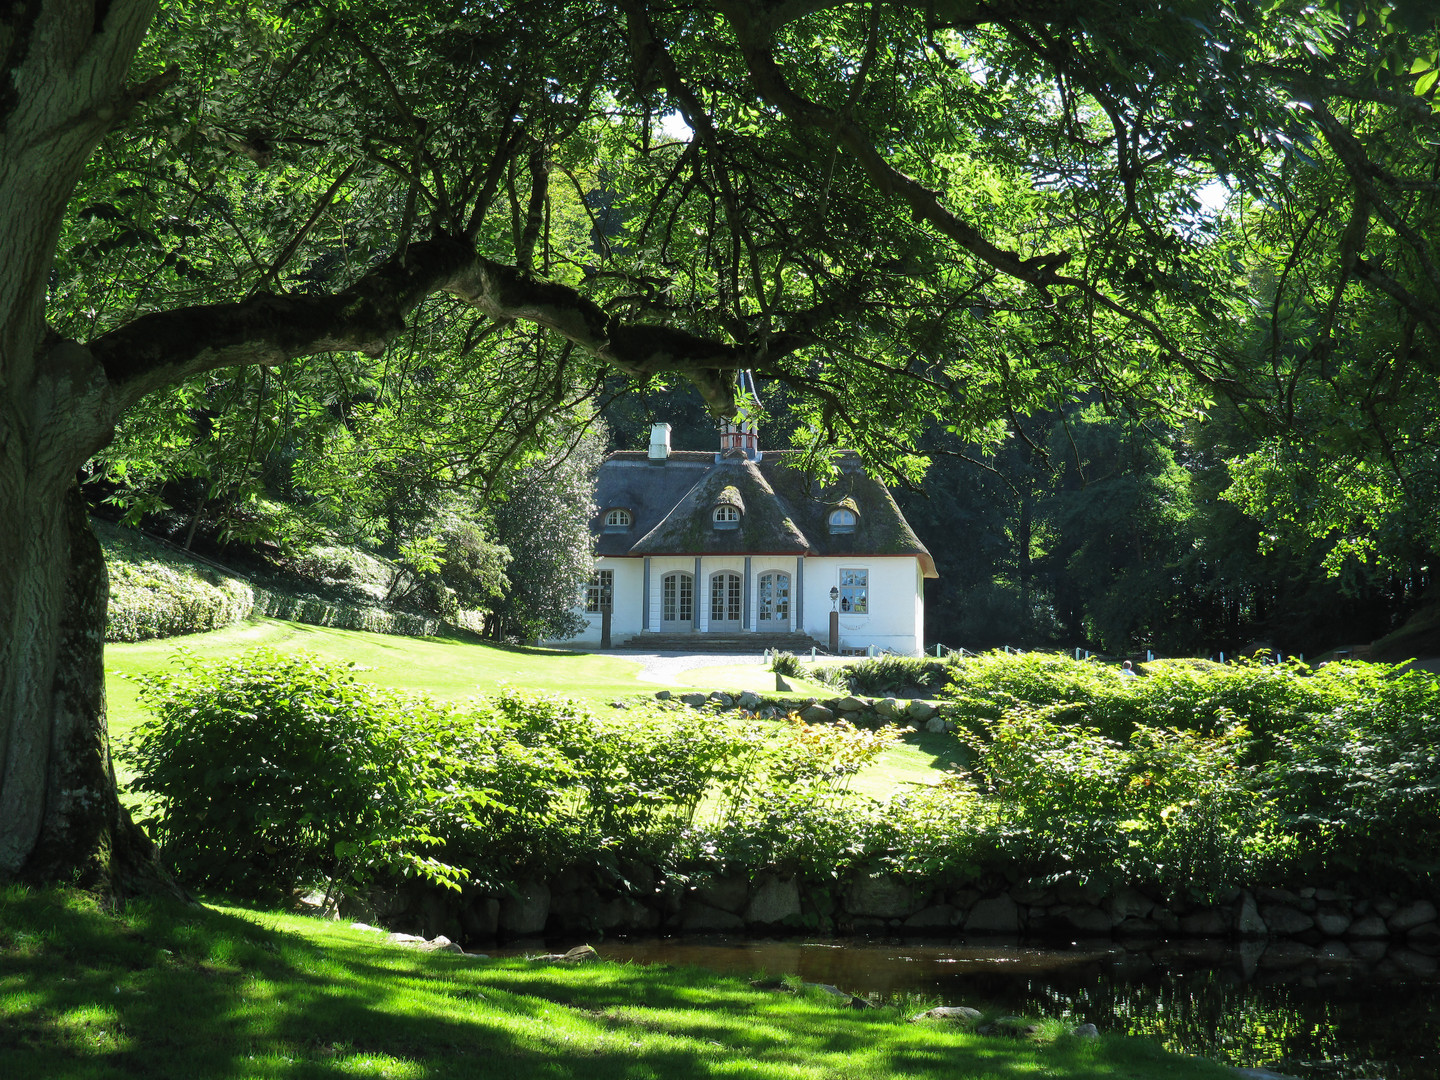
[(740, 436)]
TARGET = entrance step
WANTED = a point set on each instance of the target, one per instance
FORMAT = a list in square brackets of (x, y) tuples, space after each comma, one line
[(722, 643)]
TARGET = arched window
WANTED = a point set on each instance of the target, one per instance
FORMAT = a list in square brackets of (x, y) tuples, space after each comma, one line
[(617, 520), (726, 516), (842, 521)]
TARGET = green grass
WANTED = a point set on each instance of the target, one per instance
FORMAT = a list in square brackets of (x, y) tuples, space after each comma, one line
[(445, 668), (757, 678), (160, 991), (452, 669)]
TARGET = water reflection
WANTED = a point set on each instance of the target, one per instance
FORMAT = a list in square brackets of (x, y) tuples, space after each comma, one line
[(1332, 1012)]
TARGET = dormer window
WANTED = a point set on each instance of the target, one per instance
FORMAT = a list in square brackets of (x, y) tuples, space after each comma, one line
[(617, 520), (726, 516), (842, 521)]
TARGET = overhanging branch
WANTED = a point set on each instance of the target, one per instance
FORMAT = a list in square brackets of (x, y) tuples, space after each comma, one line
[(161, 349)]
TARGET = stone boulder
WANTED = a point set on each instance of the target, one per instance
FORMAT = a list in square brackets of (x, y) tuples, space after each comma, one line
[(940, 916), (725, 701), (696, 917), (1284, 920), (1411, 916), (694, 700), (995, 915), (816, 714), (887, 708), (1081, 919), (1209, 923), (749, 701), (1248, 923), (852, 704), (935, 725), (920, 710), (1330, 922), (955, 1014), (726, 893), (773, 900), (526, 909), (880, 897), (1369, 927)]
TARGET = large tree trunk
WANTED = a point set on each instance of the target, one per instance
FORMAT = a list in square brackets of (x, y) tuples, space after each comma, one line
[(60, 817), (62, 87)]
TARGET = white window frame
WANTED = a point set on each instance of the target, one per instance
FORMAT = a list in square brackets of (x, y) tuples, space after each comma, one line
[(599, 581), (618, 520), (843, 520), (726, 516), (854, 590)]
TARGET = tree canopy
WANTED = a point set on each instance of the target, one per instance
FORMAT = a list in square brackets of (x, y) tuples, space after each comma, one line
[(909, 213)]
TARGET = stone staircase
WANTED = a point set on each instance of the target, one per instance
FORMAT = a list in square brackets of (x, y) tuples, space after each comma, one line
[(721, 643)]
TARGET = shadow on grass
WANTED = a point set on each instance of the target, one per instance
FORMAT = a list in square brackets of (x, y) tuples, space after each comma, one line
[(164, 991), (943, 748)]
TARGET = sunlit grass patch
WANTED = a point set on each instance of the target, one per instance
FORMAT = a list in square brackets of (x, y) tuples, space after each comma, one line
[(162, 991)]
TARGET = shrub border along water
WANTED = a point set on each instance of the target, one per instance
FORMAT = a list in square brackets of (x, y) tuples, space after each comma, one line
[(531, 804)]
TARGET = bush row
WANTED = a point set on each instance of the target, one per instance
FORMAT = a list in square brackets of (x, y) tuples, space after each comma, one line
[(155, 593), (268, 771)]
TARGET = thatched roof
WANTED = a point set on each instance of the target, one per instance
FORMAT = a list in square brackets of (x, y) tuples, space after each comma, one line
[(782, 511)]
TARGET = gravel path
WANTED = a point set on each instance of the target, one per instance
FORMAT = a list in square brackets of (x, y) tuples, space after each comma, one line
[(662, 667)]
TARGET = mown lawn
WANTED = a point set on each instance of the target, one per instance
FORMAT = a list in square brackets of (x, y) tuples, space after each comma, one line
[(162, 991), (445, 668), (452, 669)]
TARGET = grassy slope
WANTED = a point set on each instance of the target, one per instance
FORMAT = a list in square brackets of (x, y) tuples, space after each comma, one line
[(444, 668), (161, 992), (451, 669)]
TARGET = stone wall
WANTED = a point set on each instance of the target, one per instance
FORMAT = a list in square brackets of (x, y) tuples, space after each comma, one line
[(633, 899)]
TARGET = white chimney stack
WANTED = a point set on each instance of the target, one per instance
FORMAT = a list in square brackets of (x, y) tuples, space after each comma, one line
[(659, 442)]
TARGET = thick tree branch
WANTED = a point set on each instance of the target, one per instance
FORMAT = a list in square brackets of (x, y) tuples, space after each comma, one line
[(163, 348)]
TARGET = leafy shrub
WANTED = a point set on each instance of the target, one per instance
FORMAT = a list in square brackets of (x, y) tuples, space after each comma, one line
[(787, 664), (1170, 808), (985, 687), (1358, 786), (267, 770), (886, 674)]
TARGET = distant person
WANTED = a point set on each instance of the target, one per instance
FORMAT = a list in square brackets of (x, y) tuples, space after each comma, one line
[(1127, 672)]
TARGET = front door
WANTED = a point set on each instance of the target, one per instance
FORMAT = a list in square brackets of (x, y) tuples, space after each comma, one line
[(772, 598), (724, 602), (677, 603)]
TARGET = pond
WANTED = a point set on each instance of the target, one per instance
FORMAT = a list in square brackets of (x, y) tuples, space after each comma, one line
[(1329, 1012)]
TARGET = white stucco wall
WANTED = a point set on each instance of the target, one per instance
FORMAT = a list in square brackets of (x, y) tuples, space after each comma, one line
[(896, 619), (625, 616)]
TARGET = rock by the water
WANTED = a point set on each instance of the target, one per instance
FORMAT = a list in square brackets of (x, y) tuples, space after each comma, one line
[(880, 897), (1371, 926), (961, 1014), (773, 900), (1285, 920), (997, 915), (1411, 916), (1248, 923)]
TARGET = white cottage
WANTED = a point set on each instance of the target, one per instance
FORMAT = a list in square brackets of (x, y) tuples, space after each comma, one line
[(693, 548)]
